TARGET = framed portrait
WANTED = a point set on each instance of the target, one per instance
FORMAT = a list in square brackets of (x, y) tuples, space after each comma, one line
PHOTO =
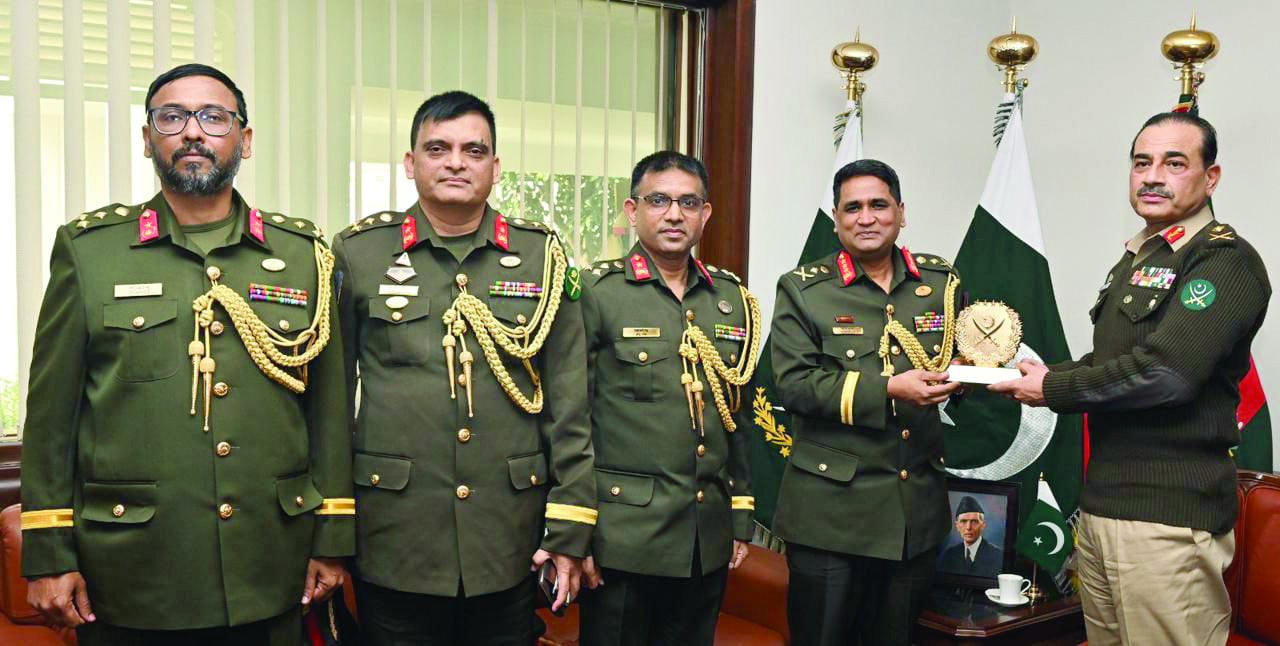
[(984, 527)]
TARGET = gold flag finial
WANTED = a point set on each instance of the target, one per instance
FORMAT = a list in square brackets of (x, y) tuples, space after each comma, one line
[(1012, 51), (854, 59)]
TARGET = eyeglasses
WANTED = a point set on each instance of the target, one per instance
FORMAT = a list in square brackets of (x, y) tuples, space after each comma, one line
[(661, 202), (215, 122)]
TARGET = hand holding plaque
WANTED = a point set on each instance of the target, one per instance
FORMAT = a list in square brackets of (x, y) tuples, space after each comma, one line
[(988, 334)]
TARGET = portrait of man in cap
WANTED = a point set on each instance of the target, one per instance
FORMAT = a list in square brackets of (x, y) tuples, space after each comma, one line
[(972, 555)]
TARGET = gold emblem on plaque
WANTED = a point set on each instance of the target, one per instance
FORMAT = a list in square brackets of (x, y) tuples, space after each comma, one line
[(988, 333)]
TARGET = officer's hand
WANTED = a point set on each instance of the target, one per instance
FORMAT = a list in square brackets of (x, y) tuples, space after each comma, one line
[(1029, 389), (63, 599), (591, 574), (568, 576), (324, 577), (921, 387), (739, 554)]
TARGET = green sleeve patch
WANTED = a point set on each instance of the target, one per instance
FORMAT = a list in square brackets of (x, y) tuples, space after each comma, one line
[(573, 283), (1198, 295)]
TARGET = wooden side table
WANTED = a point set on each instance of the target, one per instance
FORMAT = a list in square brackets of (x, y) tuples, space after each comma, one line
[(968, 617)]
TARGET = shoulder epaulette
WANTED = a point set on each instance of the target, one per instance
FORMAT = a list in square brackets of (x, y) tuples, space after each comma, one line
[(602, 268), (719, 272), (812, 273), (300, 226), (936, 263), (105, 216), (529, 225), (1221, 235), (384, 219)]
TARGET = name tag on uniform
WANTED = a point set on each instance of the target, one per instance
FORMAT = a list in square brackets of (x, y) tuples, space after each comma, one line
[(140, 289), (640, 332), (397, 290), (843, 330)]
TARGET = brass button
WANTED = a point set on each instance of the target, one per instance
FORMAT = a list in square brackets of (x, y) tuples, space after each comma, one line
[(822, 467), (221, 389), (223, 449), (643, 356), (462, 379), (299, 501), (942, 460), (214, 274), (702, 450), (1128, 298), (461, 279), (138, 322), (225, 511), (888, 309), (117, 511), (374, 479), (216, 328), (902, 475), (688, 314), (521, 319), (701, 496), (463, 492), (895, 350), (615, 490), (730, 483), (396, 316), (906, 434), (733, 357), (849, 354), (533, 479), (464, 435), (937, 348), (284, 325)]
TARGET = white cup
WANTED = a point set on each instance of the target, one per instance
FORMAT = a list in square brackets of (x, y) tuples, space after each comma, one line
[(1012, 586)]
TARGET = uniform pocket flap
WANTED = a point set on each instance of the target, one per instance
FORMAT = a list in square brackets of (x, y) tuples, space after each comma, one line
[(849, 346), (514, 311), (381, 471), (416, 307), (1139, 303), (641, 354), (824, 461), (297, 494), (527, 470), (119, 502), (139, 315), (626, 488)]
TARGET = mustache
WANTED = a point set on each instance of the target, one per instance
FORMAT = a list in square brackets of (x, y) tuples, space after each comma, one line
[(195, 148), (1150, 189)]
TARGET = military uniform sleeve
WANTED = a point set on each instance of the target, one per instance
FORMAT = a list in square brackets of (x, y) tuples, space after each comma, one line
[(566, 427), (329, 423), (742, 500), (347, 317), (591, 327), (1166, 370), (53, 409), (805, 385)]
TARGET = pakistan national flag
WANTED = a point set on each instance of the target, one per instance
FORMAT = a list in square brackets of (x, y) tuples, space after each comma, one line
[(771, 439), (1002, 259), (1045, 537)]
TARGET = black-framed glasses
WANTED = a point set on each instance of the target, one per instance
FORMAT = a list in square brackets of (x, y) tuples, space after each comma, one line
[(661, 202), (214, 121)]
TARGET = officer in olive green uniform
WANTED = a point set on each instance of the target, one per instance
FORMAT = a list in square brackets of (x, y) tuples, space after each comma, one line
[(667, 368), (472, 446), (186, 449), (863, 501)]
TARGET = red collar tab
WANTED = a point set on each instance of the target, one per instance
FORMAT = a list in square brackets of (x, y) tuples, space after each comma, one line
[(148, 227), (910, 263), (848, 273), (255, 227), (1175, 234), (409, 232), (639, 267), (705, 273), (501, 236)]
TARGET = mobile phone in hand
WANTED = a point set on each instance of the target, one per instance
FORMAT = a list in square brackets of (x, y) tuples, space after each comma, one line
[(547, 576)]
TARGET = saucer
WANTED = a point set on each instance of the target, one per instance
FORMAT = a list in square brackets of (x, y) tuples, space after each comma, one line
[(994, 595)]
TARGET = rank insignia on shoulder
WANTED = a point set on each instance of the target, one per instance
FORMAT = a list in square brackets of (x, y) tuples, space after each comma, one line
[(1198, 295), (1156, 277), (730, 332), (929, 322), (572, 282), (277, 294), (1221, 233)]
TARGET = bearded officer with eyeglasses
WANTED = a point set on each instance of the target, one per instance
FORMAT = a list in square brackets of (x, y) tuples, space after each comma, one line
[(187, 459)]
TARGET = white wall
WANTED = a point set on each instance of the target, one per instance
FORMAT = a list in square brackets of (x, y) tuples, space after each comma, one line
[(929, 107)]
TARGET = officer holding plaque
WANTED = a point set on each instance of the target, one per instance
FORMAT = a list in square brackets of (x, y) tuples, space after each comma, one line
[(861, 343)]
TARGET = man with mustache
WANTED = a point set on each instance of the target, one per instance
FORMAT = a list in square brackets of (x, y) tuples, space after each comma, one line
[(186, 469), (1173, 325), (473, 451), (863, 501), (671, 345)]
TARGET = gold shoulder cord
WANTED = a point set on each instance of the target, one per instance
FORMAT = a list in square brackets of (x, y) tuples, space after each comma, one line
[(696, 348), (263, 344), (469, 311), (911, 345)]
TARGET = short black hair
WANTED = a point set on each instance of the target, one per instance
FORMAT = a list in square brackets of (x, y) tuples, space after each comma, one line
[(198, 69), (451, 105), (1208, 134), (666, 160), (863, 168)]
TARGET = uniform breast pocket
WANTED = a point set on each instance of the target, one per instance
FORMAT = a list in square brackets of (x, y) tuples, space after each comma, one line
[(641, 358), (1139, 303), (149, 347), (852, 352), (400, 335)]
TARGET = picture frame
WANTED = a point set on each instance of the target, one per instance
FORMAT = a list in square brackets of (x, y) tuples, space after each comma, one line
[(990, 521)]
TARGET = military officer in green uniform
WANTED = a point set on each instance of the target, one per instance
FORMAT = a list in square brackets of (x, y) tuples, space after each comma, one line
[(186, 469), (861, 341), (473, 460), (670, 345)]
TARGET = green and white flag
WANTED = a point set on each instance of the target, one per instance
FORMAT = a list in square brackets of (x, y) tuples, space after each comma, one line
[(770, 439), (1045, 537), (1002, 258)]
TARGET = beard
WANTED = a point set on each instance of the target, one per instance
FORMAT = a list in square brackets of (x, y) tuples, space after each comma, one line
[(192, 181)]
